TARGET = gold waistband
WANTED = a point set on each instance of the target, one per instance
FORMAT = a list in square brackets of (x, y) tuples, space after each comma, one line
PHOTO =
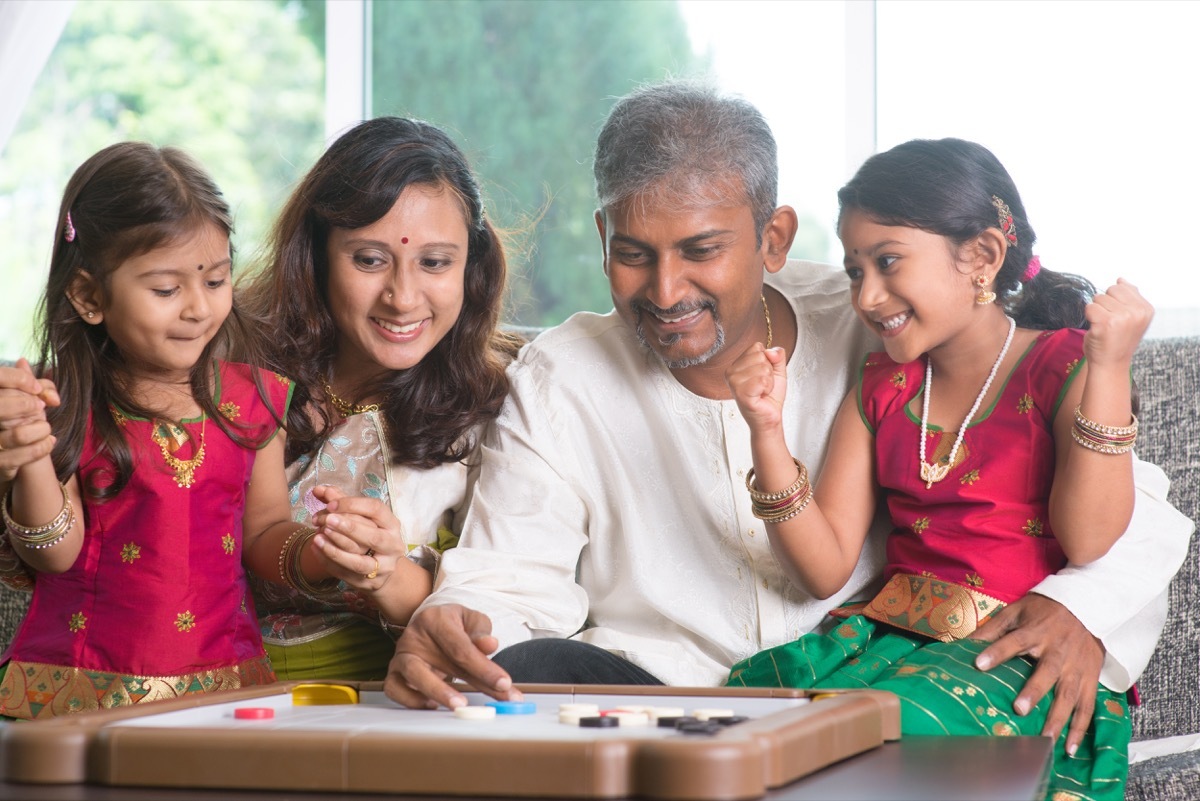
[(32, 690), (928, 606)]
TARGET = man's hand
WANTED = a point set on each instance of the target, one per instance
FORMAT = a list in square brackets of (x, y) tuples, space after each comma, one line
[(1068, 658), (440, 644)]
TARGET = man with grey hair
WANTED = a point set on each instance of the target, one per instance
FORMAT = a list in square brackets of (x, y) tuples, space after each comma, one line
[(610, 538)]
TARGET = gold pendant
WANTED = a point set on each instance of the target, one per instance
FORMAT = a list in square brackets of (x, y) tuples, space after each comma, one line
[(933, 473), (184, 474), (185, 470)]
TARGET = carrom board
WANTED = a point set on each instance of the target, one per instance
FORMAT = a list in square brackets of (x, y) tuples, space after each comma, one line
[(377, 746)]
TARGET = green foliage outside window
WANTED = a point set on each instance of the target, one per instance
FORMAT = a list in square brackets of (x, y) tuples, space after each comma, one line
[(238, 85), (523, 86)]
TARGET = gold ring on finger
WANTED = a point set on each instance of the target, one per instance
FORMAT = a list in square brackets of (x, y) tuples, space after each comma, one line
[(374, 571)]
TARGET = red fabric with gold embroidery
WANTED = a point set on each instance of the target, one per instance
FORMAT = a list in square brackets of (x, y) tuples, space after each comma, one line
[(158, 590), (986, 525)]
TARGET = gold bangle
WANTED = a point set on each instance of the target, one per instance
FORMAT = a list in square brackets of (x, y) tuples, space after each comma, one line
[(778, 513), (1101, 438), (291, 572), (45, 535), (777, 507), (767, 497), (283, 553)]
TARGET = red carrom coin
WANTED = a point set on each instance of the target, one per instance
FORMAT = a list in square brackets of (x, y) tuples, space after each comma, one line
[(253, 713)]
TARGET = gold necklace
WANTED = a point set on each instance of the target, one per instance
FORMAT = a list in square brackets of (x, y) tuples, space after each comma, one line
[(344, 407), (185, 471), (767, 313)]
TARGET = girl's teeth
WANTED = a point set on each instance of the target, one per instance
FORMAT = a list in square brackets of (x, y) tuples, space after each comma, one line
[(894, 322)]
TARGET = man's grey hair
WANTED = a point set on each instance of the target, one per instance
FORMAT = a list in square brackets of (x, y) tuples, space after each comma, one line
[(687, 138)]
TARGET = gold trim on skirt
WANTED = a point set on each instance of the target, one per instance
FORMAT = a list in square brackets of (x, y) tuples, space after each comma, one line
[(929, 606)]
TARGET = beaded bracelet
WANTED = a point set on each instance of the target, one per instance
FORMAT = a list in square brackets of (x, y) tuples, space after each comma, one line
[(44, 536), (1101, 438), (776, 507), (290, 571), (393, 630)]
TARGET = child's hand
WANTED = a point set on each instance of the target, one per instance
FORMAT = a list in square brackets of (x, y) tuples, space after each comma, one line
[(758, 381), (1118, 319), (360, 540), (25, 435)]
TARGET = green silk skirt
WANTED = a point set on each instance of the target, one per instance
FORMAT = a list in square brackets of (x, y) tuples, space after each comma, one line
[(942, 692), (360, 651)]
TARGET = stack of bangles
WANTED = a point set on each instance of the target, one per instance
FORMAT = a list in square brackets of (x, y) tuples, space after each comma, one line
[(776, 507), (38, 537), (290, 571), (1101, 438)]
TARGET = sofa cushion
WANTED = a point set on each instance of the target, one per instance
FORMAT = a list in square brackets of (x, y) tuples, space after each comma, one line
[(1169, 778), (1168, 375)]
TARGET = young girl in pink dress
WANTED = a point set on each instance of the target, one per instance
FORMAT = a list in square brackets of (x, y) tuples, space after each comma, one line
[(166, 468), (996, 430)]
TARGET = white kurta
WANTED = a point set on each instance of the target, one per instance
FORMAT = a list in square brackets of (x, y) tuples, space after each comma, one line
[(613, 500)]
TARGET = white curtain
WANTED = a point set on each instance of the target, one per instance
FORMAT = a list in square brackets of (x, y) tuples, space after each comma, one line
[(29, 30)]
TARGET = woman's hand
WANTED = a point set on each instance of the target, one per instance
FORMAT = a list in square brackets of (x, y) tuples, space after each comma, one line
[(360, 540)]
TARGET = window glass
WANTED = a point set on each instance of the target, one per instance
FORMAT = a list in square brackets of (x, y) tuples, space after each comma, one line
[(206, 77), (1090, 108), (524, 87)]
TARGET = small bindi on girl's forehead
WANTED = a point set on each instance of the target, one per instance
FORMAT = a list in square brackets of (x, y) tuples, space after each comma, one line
[(404, 240), (199, 266)]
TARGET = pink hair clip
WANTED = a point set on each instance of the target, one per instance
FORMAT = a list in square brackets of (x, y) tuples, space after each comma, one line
[(69, 229), (1031, 270)]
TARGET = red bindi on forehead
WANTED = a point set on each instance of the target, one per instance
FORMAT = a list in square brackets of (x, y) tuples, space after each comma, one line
[(404, 240)]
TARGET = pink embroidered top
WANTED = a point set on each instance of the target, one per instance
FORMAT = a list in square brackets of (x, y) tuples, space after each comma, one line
[(985, 526), (156, 605)]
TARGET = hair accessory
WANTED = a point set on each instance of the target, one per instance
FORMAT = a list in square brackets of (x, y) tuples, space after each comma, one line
[(933, 473), (1101, 438), (767, 314), (984, 296), (1031, 270), (1006, 221), (69, 229)]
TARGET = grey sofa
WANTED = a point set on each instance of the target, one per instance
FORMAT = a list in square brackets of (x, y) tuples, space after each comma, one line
[(1168, 374)]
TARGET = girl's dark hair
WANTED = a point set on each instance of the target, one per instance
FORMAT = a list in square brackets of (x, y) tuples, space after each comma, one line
[(432, 407), (126, 200), (945, 187)]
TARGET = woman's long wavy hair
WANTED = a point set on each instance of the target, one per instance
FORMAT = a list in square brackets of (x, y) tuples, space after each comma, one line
[(126, 200), (430, 408)]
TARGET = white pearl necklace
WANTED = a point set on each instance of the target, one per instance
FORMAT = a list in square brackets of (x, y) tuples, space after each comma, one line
[(933, 473)]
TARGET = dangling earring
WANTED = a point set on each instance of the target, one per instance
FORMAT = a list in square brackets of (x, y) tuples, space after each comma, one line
[(984, 296)]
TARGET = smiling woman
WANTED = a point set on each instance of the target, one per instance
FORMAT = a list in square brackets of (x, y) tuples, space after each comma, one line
[(382, 295), (396, 286)]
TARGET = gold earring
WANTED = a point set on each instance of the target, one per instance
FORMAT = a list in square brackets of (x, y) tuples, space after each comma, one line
[(984, 296)]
